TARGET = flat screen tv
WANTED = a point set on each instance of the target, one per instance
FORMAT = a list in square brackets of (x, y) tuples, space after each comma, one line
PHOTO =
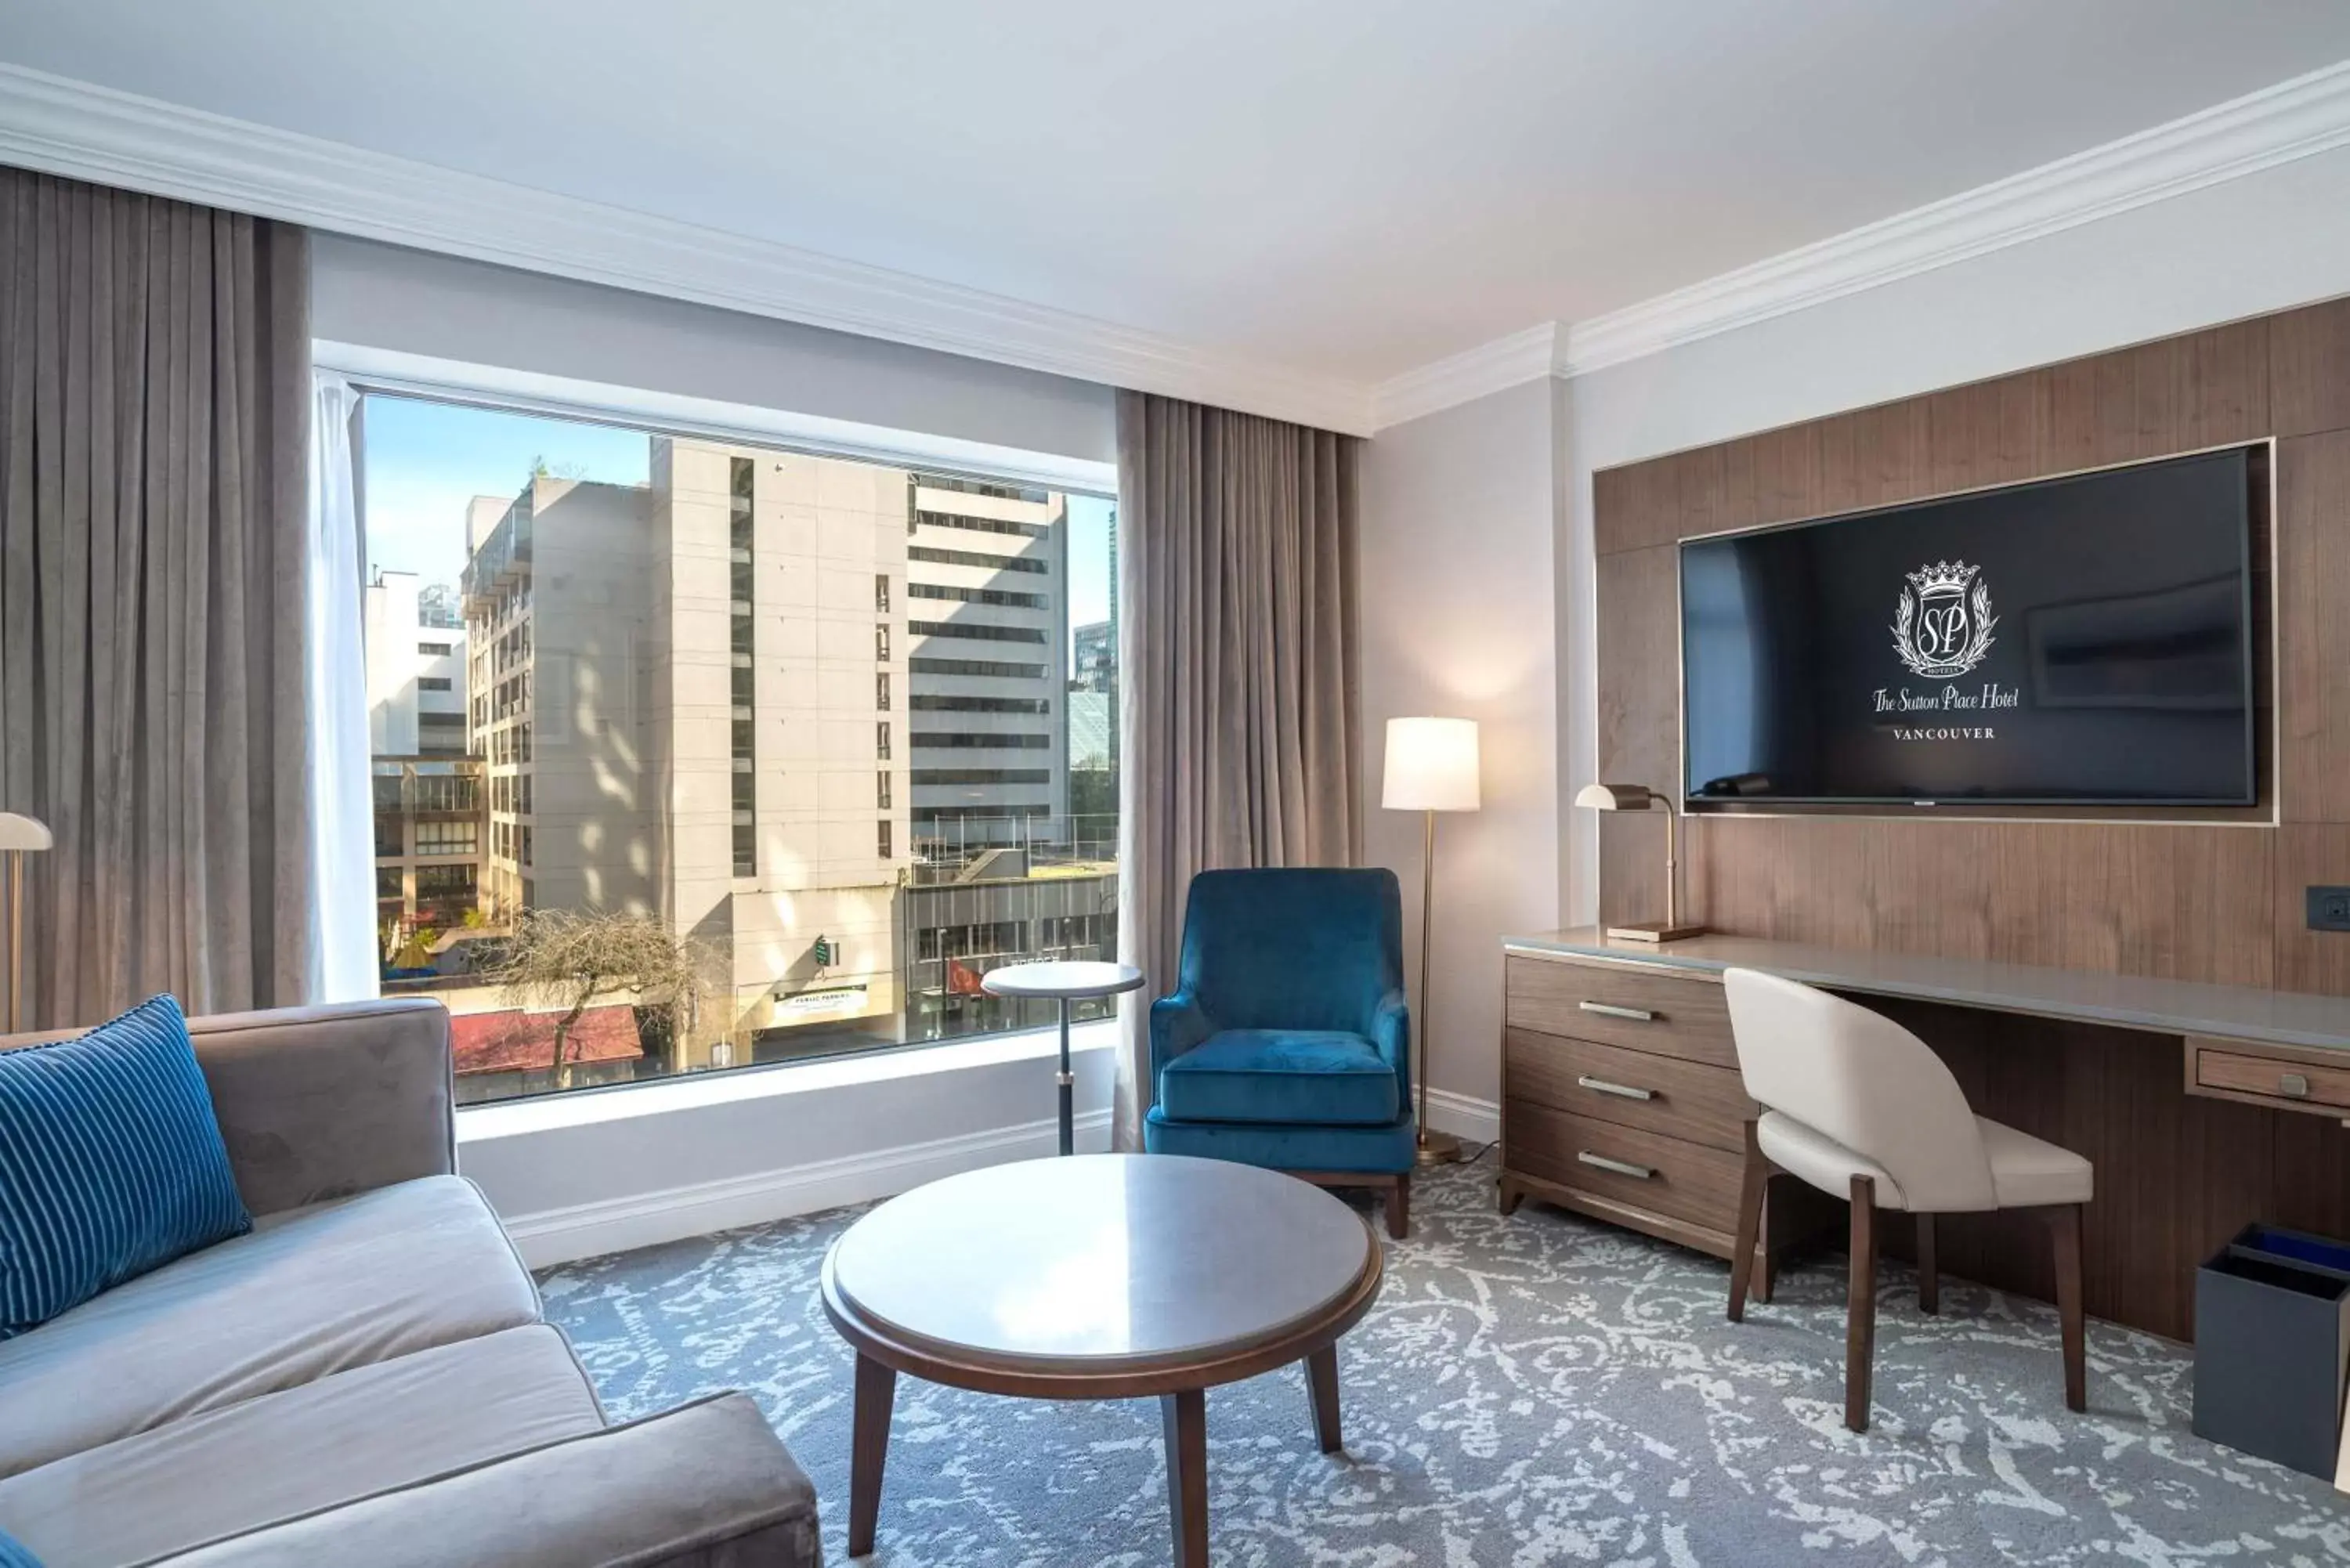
[(2078, 641)]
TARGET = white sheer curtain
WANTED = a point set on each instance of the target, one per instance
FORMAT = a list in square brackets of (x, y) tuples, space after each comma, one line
[(342, 828)]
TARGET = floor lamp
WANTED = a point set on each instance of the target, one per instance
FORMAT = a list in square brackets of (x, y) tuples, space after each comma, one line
[(1432, 766), (19, 836)]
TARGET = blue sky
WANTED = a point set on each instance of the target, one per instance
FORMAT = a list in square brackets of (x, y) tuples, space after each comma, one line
[(425, 462)]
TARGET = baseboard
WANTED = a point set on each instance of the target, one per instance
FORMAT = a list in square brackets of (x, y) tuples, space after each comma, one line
[(669, 1214), (1465, 1117)]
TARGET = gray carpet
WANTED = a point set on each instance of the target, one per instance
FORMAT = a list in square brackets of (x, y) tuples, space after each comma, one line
[(1528, 1391)]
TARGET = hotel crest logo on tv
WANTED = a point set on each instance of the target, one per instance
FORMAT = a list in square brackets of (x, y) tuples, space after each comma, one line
[(1942, 626)]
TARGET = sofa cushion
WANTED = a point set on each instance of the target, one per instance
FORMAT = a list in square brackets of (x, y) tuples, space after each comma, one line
[(307, 1294), (707, 1485), (248, 1466), (1297, 1075), (112, 1163)]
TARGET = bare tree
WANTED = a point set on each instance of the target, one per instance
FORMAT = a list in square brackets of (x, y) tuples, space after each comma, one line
[(567, 959)]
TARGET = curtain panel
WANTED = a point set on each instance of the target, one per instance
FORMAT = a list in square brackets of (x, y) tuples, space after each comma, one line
[(1241, 709), (154, 408)]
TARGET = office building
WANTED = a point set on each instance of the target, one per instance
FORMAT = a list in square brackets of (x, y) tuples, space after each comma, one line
[(986, 569)]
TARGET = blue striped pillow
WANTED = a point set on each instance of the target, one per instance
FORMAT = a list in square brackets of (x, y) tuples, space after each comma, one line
[(15, 1553), (112, 1163)]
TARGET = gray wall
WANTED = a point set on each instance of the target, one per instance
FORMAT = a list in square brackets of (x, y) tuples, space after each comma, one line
[(1458, 520), (386, 296)]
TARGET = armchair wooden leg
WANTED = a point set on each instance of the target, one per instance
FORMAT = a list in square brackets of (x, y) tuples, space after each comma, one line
[(1860, 1305), (1750, 1224), (1399, 1207), (1929, 1278), (2065, 1221)]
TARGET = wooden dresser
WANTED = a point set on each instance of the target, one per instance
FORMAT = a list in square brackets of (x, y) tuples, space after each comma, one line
[(1621, 1099)]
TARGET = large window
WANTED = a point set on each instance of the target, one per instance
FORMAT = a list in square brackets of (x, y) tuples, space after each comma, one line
[(626, 693)]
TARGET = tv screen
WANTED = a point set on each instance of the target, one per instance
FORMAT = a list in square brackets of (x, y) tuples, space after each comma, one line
[(2076, 641)]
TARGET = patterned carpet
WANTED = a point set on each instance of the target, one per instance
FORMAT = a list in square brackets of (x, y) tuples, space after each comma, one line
[(1528, 1391)]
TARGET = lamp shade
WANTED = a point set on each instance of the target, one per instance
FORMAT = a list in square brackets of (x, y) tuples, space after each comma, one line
[(1615, 797), (1432, 765), (23, 833)]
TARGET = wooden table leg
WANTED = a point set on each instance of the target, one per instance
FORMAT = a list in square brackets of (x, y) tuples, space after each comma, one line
[(1322, 1392), (1184, 1417), (868, 1448)]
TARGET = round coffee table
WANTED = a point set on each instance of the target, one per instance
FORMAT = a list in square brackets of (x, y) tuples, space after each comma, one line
[(1067, 980), (1104, 1276)]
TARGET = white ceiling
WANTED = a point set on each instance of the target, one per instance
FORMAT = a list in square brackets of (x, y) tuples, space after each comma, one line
[(1343, 188)]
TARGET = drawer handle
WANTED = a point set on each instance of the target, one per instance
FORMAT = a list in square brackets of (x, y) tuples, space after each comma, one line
[(2293, 1085), (1609, 1010), (1621, 1091), (1620, 1167)]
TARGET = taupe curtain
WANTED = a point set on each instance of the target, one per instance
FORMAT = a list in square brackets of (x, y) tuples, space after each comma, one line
[(1237, 651), (154, 394)]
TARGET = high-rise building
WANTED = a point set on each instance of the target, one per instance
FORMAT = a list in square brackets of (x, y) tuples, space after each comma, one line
[(415, 669), (986, 569), (690, 701), (427, 800)]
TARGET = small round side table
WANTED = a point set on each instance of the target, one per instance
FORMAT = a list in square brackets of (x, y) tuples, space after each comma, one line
[(1064, 982)]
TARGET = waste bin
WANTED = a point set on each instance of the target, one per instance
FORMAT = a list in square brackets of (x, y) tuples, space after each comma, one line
[(2272, 1346)]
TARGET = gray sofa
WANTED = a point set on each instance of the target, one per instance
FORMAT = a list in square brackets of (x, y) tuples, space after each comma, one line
[(365, 1380)]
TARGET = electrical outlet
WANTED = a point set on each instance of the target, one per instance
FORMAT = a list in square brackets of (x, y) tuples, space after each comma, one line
[(2329, 909)]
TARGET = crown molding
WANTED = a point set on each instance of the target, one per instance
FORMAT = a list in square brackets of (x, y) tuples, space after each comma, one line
[(76, 128), (1506, 362), (2293, 120), (2297, 118)]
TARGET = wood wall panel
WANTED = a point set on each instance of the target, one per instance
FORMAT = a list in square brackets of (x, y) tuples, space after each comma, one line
[(1640, 727), (2183, 903), (2307, 959), (2313, 600), (2309, 368)]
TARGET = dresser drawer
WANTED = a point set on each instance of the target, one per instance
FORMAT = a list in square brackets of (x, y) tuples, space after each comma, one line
[(1643, 1169), (1696, 1102), (1664, 1014), (2275, 1076)]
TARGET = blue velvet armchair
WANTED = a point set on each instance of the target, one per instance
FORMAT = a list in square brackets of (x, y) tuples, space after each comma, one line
[(1288, 1041)]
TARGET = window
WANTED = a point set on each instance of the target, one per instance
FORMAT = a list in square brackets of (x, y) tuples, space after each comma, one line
[(979, 525), (980, 631), (923, 776), (703, 784), (979, 740), (931, 554), (961, 703), (979, 596), (985, 669), (743, 686), (445, 837)]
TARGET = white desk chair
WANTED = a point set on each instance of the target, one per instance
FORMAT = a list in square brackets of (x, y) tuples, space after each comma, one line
[(1859, 1108)]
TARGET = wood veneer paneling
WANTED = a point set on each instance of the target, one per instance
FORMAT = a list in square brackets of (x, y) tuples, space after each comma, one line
[(2313, 607), (2309, 354)]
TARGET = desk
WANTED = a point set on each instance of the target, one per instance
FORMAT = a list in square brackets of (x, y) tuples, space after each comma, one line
[(2203, 1106)]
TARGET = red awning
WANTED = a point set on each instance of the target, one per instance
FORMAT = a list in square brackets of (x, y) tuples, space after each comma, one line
[(515, 1041)]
